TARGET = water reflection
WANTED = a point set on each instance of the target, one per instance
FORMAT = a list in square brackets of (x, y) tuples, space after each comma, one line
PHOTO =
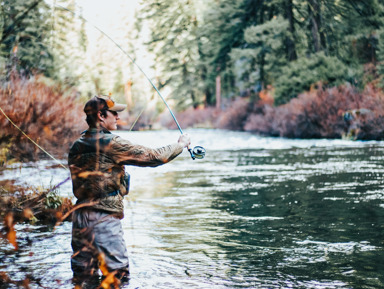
[(255, 213)]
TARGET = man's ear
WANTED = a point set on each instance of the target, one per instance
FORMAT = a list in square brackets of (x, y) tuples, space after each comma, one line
[(100, 117)]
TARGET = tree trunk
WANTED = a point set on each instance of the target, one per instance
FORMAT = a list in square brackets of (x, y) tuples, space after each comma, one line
[(218, 92), (290, 41), (193, 98), (313, 9), (128, 93)]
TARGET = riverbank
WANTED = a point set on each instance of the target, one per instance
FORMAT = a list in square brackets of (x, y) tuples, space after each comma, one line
[(333, 113), (29, 204)]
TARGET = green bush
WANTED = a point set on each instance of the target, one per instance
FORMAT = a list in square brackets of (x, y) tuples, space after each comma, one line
[(300, 75)]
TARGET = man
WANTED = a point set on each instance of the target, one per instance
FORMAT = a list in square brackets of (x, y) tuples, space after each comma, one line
[(99, 181)]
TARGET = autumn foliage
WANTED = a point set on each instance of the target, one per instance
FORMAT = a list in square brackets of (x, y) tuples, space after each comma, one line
[(31, 204), (320, 113), (337, 112), (200, 117), (46, 113)]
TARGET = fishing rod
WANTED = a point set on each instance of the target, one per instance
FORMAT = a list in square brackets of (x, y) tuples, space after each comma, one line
[(198, 152)]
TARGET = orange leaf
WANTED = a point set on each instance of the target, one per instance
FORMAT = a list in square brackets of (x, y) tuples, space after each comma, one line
[(47, 130), (109, 276), (11, 236), (87, 174), (11, 233), (102, 265), (28, 214), (109, 280)]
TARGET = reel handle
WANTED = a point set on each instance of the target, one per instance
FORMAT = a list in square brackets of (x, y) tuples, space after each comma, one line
[(198, 152), (191, 153)]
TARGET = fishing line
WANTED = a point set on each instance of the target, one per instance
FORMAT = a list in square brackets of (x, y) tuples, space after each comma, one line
[(197, 152), (40, 147), (36, 144)]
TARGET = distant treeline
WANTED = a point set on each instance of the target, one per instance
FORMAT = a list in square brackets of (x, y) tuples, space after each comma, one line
[(306, 69), (249, 45), (336, 112), (240, 47), (38, 38)]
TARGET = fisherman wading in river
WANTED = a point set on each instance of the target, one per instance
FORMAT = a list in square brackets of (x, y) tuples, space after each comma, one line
[(97, 162)]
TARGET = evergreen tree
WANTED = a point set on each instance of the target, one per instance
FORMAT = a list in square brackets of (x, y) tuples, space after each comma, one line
[(327, 37), (68, 42), (262, 62), (175, 44), (380, 56), (223, 30), (24, 36), (254, 67), (137, 89)]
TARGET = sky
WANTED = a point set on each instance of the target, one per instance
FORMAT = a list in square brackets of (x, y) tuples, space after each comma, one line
[(114, 18), (108, 15)]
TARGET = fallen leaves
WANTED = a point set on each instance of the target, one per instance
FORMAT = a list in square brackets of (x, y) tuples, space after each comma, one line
[(9, 227)]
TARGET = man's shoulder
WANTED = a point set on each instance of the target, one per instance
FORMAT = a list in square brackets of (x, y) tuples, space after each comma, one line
[(118, 140)]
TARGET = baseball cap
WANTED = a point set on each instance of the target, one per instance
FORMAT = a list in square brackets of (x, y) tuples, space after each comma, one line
[(102, 102)]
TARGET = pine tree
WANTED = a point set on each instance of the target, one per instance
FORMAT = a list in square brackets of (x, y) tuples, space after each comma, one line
[(261, 63), (328, 35), (24, 36), (68, 42), (223, 30), (175, 44)]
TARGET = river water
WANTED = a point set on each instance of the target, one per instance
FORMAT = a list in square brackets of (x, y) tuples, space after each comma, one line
[(254, 213)]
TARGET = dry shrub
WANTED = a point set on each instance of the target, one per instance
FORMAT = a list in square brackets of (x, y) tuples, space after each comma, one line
[(263, 122), (32, 204), (48, 114), (319, 114), (235, 116), (238, 112), (199, 117), (316, 114), (371, 124)]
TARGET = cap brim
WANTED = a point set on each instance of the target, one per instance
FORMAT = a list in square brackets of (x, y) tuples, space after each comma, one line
[(118, 107)]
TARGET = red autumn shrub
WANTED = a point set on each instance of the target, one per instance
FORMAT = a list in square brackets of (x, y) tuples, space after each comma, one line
[(263, 122), (234, 116), (191, 117), (321, 113), (316, 114), (370, 118), (48, 114)]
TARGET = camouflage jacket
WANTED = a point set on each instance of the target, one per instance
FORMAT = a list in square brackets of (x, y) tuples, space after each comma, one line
[(96, 161)]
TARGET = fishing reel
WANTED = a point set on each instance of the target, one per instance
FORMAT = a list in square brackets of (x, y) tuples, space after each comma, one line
[(198, 152)]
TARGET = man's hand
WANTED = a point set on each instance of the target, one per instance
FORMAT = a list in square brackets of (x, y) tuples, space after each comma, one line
[(185, 140)]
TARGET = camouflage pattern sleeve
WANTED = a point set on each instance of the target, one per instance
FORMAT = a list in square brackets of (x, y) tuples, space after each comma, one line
[(126, 153)]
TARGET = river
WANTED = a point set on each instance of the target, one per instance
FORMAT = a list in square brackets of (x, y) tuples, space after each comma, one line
[(254, 213)]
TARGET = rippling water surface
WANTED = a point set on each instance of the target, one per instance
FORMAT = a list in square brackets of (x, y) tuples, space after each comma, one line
[(255, 213)]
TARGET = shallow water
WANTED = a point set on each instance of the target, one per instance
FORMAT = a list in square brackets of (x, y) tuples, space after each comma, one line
[(255, 213)]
